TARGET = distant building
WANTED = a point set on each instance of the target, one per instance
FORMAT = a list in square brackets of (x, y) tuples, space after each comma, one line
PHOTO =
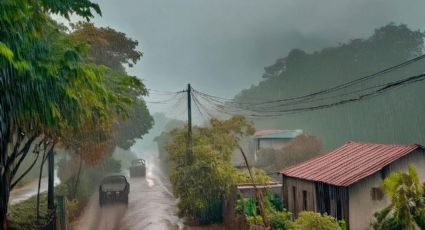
[(346, 182), (273, 139), (263, 139)]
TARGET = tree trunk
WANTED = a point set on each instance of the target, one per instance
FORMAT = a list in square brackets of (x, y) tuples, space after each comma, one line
[(4, 197), (77, 179), (258, 194), (39, 185)]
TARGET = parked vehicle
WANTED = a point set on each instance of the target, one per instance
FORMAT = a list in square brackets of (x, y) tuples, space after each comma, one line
[(138, 168), (114, 188)]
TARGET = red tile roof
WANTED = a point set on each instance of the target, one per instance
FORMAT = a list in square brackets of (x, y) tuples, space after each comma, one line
[(349, 163)]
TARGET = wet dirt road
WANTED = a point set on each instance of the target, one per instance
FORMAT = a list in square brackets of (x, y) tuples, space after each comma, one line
[(151, 206)]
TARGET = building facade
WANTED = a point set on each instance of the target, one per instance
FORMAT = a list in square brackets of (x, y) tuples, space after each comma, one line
[(346, 182)]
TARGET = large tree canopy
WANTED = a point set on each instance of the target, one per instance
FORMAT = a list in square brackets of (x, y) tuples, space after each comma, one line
[(114, 49), (51, 91)]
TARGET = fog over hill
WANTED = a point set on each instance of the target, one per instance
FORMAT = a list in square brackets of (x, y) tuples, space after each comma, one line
[(222, 46)]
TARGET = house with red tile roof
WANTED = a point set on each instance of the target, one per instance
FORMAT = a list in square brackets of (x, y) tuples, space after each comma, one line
[(346, 182)]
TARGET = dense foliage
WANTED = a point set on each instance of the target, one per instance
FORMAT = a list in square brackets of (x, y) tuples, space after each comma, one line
[(301, 73), (40, 72), (202, 183), (279, 218), (407, 208), (315, 221), (53, 92)]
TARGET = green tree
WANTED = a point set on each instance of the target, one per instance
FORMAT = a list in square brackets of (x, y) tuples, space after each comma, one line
[(127, 115), (37, 76), (202, 185), (407, 202), (114, 49), (108, 46)]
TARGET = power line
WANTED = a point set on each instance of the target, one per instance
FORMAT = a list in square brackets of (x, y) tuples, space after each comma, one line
[(325, 91), (379, 89)]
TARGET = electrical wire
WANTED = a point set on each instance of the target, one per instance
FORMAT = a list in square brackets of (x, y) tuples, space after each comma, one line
[(379, 89)]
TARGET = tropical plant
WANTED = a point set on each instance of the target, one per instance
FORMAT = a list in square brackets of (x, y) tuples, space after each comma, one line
[(407, 207), (279, 218)]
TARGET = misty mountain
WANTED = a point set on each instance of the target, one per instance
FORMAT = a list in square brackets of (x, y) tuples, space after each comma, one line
[(378, 119)]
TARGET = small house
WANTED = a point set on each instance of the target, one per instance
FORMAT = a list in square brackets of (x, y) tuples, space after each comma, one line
[(263, 139), (273, 139), (346, 182)]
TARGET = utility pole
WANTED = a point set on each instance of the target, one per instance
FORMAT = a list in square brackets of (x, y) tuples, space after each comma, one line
[(189, 124)]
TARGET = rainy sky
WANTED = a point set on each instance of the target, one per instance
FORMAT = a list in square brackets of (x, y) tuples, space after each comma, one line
[(222, 46)]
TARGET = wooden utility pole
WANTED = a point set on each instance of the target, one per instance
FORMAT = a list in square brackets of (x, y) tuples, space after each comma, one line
[(189, 124), (258, 194)]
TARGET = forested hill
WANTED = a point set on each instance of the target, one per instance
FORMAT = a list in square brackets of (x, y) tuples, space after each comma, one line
[(394, 117)]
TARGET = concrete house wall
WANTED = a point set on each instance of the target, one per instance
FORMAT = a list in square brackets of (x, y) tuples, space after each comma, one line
[(362, 206), (275, 143)]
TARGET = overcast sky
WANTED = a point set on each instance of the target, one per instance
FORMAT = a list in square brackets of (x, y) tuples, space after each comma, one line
[(222, 46)]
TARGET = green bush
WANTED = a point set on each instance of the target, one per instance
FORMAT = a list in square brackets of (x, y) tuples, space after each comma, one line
[(252, 220), (280, 220), (315, 221), (246, 206)]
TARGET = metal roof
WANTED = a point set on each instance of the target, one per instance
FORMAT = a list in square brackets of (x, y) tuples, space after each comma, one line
[(349, 163), (277, 134)]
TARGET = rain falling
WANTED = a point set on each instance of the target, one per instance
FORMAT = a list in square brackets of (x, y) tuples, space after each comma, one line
[(215, 114)]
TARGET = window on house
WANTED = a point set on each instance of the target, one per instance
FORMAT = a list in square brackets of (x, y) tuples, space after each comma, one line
[(377, 194), (305, 200), (385, 171)]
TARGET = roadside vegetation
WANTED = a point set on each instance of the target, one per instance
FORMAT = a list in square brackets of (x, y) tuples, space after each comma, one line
[(65, 88), (203, 182), (280, 219)]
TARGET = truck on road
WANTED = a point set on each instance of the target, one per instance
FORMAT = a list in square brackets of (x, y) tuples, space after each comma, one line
[(138, 168)]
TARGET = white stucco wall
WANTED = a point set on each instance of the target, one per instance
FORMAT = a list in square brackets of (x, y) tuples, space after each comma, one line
[(361, 205), (276, 144)]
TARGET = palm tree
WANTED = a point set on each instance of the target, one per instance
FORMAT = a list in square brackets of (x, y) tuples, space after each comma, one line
[(407, 201)]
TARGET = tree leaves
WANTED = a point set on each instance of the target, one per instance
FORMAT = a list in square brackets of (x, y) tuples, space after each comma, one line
[(6, 52), (202, 185)]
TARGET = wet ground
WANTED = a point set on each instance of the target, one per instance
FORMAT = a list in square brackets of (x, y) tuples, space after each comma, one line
[(30, 189), (151, 207)]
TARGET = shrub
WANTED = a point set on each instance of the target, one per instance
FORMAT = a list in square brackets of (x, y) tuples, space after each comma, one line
[(253, 220), (315, 221), (280, 220)]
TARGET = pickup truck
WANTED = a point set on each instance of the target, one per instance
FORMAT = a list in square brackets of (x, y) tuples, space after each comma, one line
[(138, 168), (114, 188)]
